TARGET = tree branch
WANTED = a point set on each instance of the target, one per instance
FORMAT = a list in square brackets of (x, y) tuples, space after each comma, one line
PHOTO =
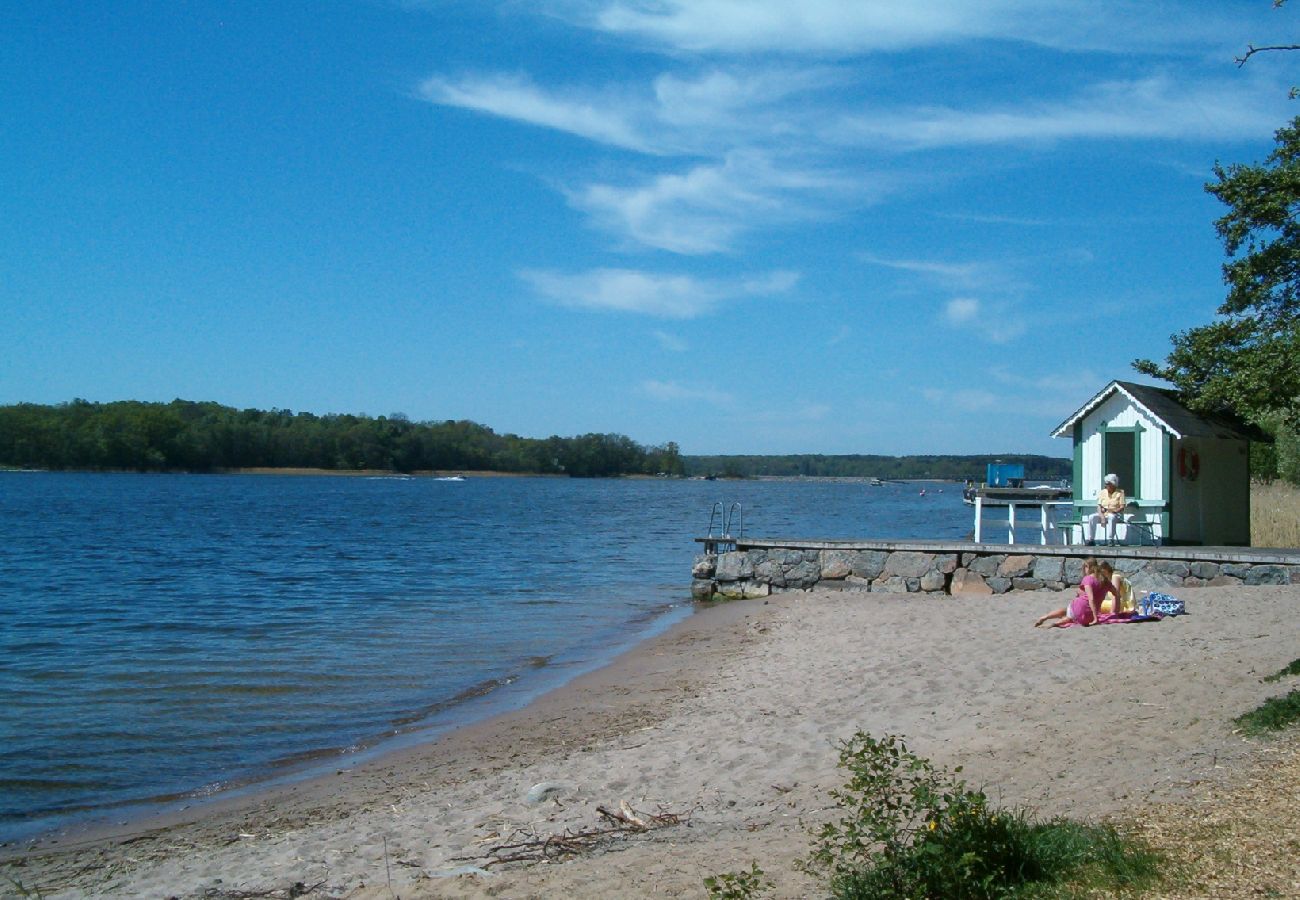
[(1251, 50)]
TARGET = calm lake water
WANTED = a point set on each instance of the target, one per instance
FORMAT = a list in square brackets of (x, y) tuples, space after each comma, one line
[(168, 636)]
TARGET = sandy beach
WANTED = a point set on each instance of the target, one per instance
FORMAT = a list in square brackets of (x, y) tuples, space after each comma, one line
[(730, 721)]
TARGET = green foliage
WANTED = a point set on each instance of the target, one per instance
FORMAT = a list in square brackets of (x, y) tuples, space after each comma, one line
[(1037, 468), (1274, 714), (199, 437), (1248, 360), (1292, 668), (737, 885), (911, 830)]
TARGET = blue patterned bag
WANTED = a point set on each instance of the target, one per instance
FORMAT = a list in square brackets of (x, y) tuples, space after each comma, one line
[(1165, 604)]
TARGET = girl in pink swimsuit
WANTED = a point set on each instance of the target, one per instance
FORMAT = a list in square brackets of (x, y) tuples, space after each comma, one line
[(1086, 606)]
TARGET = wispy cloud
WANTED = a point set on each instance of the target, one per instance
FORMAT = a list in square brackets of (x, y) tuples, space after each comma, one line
[(859, 26), (1154, 107), (963, 400), (652, 294), (670, 342), (674, 392), (604, 119), (952, 274), (997, 323), (705, 209)]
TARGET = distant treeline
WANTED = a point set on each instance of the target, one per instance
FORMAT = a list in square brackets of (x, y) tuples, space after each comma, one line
[(204, 437), (1037, 468)]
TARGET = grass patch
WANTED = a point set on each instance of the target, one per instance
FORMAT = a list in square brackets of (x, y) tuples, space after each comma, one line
[(1286, 672), (1274, 514), (1274, 714), (911, 829)]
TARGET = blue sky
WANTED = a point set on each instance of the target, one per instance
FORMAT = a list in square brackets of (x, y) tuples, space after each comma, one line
[(749, 226)]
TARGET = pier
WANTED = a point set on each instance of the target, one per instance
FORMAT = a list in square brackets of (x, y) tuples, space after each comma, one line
[(748, 567)]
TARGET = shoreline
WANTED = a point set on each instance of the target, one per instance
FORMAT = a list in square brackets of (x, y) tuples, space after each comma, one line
[(731, 716), (512, 695)]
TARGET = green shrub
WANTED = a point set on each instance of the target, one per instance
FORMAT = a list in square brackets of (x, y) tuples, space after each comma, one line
[(1293, 668), (911, 830), (737, 885), (1274, 714)]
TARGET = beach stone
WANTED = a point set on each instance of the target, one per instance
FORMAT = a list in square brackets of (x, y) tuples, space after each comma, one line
[(787, 556), (987, 565), (836, 564), (1049, 568), (733, 566), (966, 582), (1016, 565), (932, 581), (701, 588), (804, 575), (945, 563), (894, 584), (1269, 574), (1295, 574), (1072, 570), (1205, 570), (1236, 570), (1223, 581), (909, 563), (1149, 580), (998, 584), (543, 791), (756, 556), (1026, 584), (704, 566), (1175, 567), (770, 572), (753, 590), (869, 564)]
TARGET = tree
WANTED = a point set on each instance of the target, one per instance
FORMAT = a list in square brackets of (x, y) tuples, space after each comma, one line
[(1248, 360)]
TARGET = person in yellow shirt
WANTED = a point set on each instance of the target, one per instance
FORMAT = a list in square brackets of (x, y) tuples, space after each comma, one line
[(1110, 511)]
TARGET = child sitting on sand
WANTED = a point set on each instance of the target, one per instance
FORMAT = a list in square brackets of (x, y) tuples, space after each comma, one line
[(1085, 608)]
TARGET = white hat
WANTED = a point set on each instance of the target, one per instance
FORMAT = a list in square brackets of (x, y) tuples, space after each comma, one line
[(1112, 479)]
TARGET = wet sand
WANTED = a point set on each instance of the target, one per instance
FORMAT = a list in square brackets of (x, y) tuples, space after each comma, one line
[(730, 720)]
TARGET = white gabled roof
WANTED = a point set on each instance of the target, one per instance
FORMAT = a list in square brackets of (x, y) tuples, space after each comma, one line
[(1162, 407)]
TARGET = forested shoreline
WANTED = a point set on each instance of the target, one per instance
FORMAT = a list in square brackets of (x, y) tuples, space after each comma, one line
[(190, 436)]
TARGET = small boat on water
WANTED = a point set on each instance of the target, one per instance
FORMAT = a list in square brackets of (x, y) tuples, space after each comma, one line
[(876, 482), (450, 478)]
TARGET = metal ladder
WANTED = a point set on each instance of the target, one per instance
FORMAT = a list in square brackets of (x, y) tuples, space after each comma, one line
[(724, 517)]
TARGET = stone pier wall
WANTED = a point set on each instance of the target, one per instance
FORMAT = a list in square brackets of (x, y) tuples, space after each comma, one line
[(762, 568)]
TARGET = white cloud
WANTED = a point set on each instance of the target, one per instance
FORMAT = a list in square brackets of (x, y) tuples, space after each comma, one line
[(810, 25), (605, 120), (860, 26), (705, 209), (673, 392), (646, 293), (1154, 107), (955, 275), (962, 310), (964, 399), (670, 342)]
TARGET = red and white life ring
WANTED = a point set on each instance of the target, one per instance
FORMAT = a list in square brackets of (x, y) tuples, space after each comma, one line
[(1189, 463)]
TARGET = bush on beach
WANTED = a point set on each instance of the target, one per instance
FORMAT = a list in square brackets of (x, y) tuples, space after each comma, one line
[(910, 829)]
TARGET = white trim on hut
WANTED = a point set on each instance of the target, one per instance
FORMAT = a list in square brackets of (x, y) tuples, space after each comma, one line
[(1188, 474)]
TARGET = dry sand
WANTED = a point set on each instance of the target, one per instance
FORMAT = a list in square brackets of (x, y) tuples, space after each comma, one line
[(732, 718)]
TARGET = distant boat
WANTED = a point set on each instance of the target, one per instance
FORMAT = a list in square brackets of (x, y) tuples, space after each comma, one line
[(876, 482), (922, 492), (450, 478)]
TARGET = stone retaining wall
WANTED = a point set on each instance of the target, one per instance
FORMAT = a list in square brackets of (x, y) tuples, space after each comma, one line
[(959, 569)]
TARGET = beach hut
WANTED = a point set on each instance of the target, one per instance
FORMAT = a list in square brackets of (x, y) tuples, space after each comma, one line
[(1186, 475)]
